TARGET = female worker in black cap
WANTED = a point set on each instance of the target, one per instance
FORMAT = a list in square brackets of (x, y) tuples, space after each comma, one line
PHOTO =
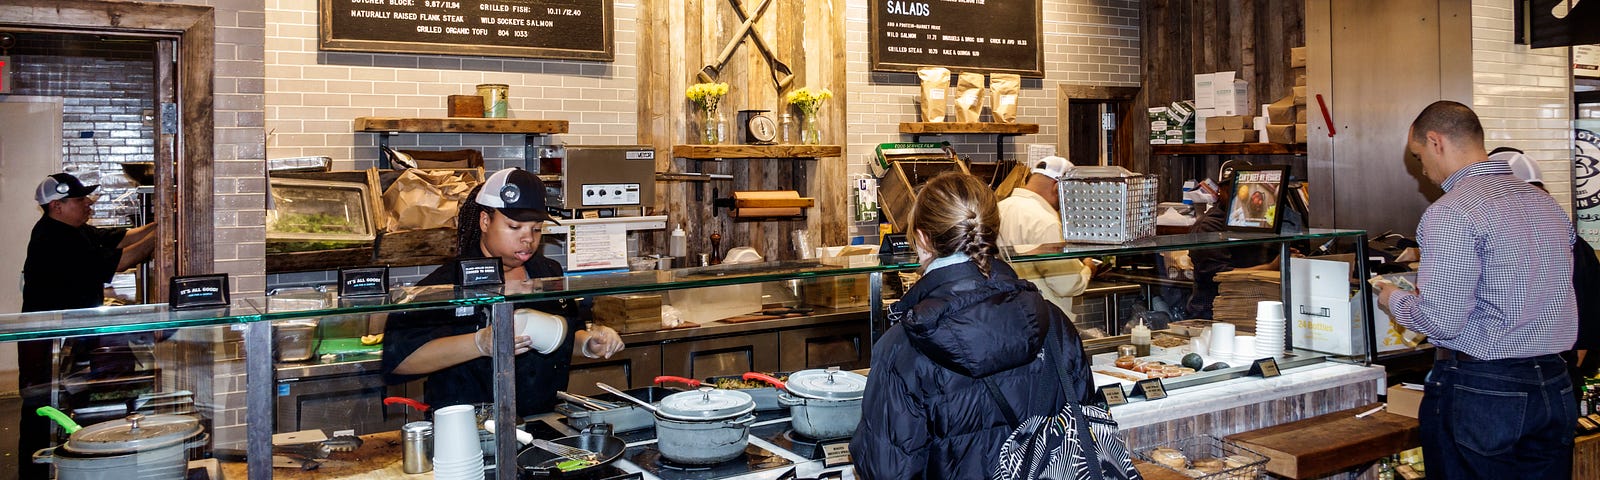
[(504, 218)]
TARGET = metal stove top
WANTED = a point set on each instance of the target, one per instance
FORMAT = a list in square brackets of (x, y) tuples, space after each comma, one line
[(754, 459)]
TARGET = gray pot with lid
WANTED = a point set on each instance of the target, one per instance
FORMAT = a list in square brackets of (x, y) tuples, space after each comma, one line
[(145, 446), (824, 404), (704, 426)]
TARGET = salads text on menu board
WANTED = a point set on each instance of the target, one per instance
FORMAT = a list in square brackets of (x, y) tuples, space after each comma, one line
[(990, 36), (564, 29)]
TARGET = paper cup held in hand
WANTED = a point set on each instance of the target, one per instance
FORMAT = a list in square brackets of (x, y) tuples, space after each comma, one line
[(546, 330)]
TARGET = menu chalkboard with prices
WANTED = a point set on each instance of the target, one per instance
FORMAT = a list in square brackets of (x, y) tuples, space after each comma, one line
[(1001, 36), (564, 29)]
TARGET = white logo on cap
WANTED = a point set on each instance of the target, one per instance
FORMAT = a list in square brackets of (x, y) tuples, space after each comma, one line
[(510, 194), (63, 188)]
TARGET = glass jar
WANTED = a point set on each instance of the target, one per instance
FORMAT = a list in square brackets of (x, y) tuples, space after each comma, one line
[(786, 130), (713, 128), (810, 132)]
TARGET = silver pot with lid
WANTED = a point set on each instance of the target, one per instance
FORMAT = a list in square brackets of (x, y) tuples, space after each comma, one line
[(824, 404), (147, 446), (704, 426)]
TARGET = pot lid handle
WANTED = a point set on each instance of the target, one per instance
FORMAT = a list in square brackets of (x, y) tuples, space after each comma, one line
[(705, 393), (831, 371), (133, 421)]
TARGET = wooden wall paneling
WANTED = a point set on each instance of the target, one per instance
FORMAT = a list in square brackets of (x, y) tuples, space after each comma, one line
[(688, 35), (826, 68)]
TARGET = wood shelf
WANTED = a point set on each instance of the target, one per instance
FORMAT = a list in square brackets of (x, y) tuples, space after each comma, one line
[(708, 152), (934, 128), (1229, 149), (459, 125)]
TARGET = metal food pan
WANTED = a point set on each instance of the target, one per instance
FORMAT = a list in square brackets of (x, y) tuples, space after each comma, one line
[(626, 418)]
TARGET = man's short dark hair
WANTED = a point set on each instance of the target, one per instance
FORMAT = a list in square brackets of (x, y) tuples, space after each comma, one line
[(1453, 120)]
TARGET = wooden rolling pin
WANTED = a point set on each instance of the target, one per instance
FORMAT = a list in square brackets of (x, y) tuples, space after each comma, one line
[(774, 203)]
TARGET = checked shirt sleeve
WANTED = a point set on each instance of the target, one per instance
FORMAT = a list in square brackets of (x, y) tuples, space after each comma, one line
[(1448, 280)]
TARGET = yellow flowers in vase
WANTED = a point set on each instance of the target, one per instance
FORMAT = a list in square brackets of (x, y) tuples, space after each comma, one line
[(706, 96), (809, 101)]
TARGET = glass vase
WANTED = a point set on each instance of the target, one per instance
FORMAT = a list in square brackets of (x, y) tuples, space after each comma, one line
[(810, 131), (713, 128)]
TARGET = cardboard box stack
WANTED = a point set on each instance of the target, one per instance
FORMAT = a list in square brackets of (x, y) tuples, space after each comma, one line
[(1173, 124), (1286, 118), (1230, 129), (1222, 109)]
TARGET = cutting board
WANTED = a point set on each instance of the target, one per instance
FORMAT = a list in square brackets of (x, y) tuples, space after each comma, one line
[(346, 346), (1326, 444)]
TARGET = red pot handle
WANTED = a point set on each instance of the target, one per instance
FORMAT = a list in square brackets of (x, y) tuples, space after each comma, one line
[(419, 406), (765, 378), (692, 383)]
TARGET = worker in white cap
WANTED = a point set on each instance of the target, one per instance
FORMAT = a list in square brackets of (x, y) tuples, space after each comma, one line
[(1029, 220)]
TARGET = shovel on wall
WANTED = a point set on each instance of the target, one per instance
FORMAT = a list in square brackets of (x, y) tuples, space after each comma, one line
[(778, 67), (708, 73)]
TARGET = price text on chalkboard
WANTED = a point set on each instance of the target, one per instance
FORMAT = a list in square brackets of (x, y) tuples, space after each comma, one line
[(569, 29), (965, 35)]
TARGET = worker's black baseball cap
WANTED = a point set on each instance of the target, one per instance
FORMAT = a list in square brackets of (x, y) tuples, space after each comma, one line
[(61, 186), (516, 193)]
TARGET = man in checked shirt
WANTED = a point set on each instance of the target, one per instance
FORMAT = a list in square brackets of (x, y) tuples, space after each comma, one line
[(1494, 295)]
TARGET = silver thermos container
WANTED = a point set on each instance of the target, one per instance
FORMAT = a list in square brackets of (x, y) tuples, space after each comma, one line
[(417, 445)]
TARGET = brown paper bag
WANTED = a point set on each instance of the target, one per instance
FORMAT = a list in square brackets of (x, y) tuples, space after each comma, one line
[(969, 97), (422, 199), (935, 87), (1006, 87)]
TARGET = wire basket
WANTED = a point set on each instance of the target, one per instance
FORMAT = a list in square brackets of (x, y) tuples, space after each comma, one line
[(1107, 205), (1201, 454)]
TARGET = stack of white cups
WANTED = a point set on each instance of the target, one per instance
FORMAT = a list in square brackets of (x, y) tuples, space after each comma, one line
[(457, 453), (1270, 326), (1221, 344)]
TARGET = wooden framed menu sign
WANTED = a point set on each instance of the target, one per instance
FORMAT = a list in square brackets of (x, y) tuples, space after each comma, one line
[(989, 36), (565, 29)]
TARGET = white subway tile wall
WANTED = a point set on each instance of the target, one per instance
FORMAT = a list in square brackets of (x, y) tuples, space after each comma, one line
[(1086, 42), (1523, 95)]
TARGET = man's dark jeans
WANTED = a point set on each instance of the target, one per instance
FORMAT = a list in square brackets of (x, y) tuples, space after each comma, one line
[(1498, 419)]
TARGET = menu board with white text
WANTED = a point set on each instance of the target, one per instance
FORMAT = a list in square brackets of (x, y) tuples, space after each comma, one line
[(989, 36), (567, 29)]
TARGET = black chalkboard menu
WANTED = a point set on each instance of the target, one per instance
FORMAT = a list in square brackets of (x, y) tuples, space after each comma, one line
[(965, 35), (567, 29)]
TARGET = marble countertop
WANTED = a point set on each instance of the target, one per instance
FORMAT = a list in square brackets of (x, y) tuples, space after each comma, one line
[(1213, 397)]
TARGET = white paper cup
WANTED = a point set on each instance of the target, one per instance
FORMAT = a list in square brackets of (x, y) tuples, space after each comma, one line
[(1222, 338), (1269, 310), (546, 330), (455, 436), (1199, 346), (1244, 347)]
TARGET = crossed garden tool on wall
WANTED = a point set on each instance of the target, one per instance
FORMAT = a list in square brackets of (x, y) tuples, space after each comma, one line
[(782, 76)]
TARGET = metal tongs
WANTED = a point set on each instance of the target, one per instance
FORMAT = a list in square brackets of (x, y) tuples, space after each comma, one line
[(586, 402), (569, 453)]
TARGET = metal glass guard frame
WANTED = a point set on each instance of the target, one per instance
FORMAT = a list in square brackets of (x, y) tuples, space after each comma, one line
[(258, 346)]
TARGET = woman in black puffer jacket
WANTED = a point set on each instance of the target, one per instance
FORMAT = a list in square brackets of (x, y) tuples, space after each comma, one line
[(926, 413)]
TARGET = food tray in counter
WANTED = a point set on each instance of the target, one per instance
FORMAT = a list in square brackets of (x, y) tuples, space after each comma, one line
[(320, 211), (1205, 457)]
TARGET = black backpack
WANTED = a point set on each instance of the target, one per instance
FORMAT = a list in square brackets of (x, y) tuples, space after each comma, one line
[(1078, 442)]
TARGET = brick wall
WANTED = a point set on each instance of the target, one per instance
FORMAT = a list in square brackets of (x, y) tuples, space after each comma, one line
[(239, 195), (1523, 95), (1086, 42), (108, 91)]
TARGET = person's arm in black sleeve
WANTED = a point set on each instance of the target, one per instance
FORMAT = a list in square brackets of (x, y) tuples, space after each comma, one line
[(1586, 285)]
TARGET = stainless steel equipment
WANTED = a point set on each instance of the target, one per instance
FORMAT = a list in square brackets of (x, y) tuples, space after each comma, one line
[(595, 177), (417, 447)]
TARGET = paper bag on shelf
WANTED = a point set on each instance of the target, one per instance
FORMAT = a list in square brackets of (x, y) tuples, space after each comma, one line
[(423, 199)]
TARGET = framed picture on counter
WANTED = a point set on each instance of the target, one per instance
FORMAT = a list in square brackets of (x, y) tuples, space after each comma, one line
[(1255, 203)]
